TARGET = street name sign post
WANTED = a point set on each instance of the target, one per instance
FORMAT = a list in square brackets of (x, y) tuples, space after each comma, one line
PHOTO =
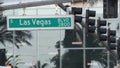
[(40, 22)]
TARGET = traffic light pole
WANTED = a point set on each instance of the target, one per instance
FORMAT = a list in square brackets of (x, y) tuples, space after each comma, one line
[(84, 46), (118, 36), (108, 59), (118, 64)]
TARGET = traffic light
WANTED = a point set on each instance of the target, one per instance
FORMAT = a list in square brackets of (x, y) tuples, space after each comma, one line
[(101, 30), (3, 57), (90, 23), (118, 48), (111, 39), (77, 11), (2, 21), (110, 8)]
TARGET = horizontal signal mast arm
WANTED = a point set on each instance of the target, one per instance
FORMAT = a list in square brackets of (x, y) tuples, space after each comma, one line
[(33, 4)]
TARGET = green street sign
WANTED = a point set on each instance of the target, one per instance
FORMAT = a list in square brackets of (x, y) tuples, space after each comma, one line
[(40, 22)]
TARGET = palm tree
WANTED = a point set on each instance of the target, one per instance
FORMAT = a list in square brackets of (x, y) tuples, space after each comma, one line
[(74, 58), (18, 36)]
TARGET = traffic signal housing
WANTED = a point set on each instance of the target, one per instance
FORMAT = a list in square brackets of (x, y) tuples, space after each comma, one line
[(118, 48), (90, 23), (111, 39), (110, 8), (3, 57), (77, 11), (101, 30)]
